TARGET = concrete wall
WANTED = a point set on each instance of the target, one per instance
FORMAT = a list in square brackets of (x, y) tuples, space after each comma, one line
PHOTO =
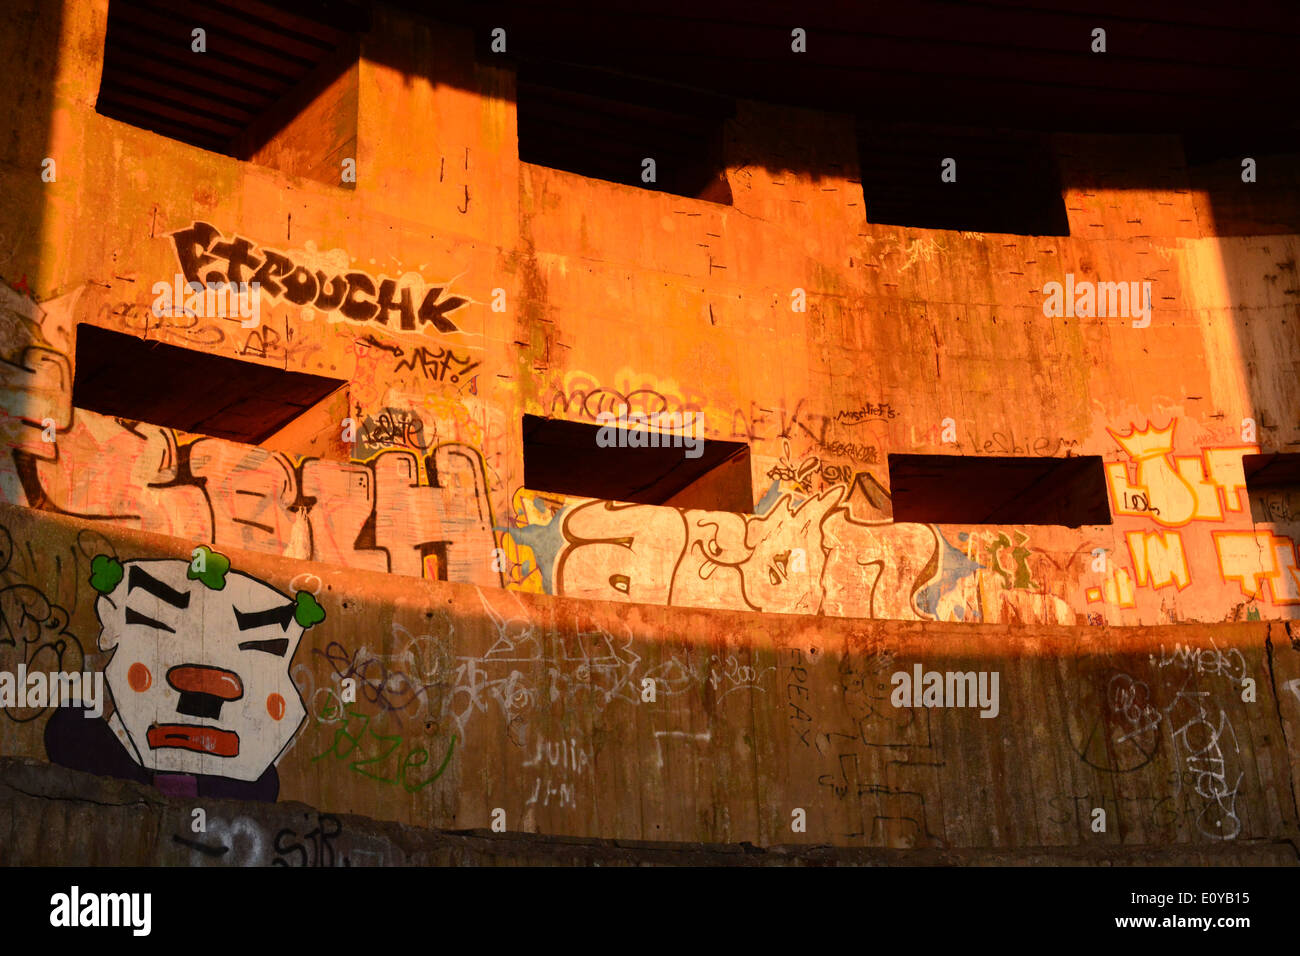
[(512, 677), (476, 706), (617, 295), (106, 822)]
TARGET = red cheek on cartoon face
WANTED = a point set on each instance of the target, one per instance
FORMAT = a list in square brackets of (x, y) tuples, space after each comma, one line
[(275, 706), (139, 678)]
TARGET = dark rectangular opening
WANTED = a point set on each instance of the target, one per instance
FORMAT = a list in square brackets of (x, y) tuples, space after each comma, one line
[(1006, 180), (955, 489), (136, 379), (1267, 204), (569, 458), (263, 63), (1273, 486), (604, 126)]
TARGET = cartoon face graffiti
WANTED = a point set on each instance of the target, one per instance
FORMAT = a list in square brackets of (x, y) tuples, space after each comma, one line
[(200, 669)]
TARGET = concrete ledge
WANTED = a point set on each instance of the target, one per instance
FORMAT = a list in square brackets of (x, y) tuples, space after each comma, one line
[(53, 816)]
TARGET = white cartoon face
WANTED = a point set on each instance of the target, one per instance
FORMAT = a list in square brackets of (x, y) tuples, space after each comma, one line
[(199, 675)]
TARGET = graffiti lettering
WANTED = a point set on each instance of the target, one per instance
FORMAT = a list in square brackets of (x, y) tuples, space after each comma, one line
[(393, 427), (871, 411), (436, 365), (207, 258), (318, 851), (406, 763), (1006, 443)]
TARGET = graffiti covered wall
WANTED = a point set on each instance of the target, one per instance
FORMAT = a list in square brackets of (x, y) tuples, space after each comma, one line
[(1187, 544), (412, 505), (455, 289), (452, 706)]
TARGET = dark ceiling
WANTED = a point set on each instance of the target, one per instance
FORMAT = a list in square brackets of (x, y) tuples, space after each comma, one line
[(1168, 66), (1027, 64), (256, 54)]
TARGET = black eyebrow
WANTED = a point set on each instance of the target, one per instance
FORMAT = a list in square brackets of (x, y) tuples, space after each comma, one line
[(142, 579), (135, 617), (276, 647), (247, 620)]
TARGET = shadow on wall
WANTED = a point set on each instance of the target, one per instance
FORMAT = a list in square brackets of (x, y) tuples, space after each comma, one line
[(34, 170), (721, 725)]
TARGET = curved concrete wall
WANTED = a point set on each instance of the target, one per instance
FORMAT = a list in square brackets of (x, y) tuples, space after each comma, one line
[(534, 291), (476, 707)]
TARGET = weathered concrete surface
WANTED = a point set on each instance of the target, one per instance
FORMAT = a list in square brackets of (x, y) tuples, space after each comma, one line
[(505, 639), (617, 296), (476, 706), (95, 821)]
